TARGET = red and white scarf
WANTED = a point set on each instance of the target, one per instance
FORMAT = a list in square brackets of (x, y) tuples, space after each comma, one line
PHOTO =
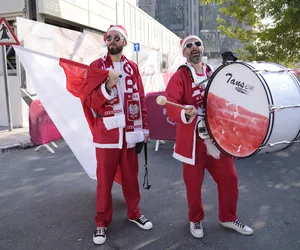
[(129, 115), (198, 91)]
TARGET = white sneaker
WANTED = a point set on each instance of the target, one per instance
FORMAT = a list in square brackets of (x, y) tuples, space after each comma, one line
[(238, 226), (99, 236), (143, 223), (196, 229)]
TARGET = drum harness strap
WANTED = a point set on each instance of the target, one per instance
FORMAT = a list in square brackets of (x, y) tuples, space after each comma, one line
[(201, 127), (193, 74), (194, 77)]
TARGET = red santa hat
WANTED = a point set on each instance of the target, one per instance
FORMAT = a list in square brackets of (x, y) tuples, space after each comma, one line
[(183, 41), (118, 28)]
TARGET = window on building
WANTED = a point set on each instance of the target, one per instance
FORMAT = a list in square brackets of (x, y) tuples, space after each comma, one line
[(10, 54), (66, 25)]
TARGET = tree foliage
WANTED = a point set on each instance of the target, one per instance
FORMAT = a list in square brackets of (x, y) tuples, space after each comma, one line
[(277, 40)]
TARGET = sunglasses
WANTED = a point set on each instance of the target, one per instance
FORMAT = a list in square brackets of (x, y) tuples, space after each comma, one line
[(189, 45), (116, 38)]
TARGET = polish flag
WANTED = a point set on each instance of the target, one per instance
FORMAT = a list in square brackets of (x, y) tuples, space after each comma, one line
[(58, 82)]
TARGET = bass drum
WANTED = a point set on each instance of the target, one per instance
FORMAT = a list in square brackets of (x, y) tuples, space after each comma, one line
[(252, 108)]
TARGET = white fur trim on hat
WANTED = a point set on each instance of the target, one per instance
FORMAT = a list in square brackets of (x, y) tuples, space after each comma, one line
[(183, 42), (119, 29)]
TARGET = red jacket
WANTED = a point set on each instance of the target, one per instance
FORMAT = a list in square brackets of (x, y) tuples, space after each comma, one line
[(95, 100), (179, 90)]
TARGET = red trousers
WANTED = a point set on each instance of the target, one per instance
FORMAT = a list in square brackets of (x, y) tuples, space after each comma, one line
[(224, 174), (107, 163)]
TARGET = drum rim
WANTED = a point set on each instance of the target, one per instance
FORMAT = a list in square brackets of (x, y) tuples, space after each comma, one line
[(298, 135), (297, 80), (270, 101)]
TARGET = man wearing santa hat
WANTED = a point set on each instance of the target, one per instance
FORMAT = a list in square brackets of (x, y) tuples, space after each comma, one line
[(119, 123), (196, 150)]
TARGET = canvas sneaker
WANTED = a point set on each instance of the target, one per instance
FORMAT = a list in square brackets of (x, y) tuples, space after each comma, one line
[(143, 223), (238, 226), (99, 236), (196, 229)]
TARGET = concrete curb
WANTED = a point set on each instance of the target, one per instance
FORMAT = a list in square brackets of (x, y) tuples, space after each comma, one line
[(14, 147)]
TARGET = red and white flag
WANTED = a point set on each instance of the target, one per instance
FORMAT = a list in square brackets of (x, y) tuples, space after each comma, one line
[(58, 83)]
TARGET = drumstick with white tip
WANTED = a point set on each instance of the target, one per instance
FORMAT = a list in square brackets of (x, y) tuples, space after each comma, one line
[(162, 100)]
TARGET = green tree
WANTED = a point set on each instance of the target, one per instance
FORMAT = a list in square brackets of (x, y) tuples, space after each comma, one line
[(277, 40)]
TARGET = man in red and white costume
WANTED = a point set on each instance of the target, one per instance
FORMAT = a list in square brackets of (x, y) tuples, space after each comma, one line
[(197, 154), (119, 123)]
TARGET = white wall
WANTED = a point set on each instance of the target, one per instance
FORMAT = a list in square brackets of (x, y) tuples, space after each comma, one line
[(16, 102), (11, 7), (99, 14)]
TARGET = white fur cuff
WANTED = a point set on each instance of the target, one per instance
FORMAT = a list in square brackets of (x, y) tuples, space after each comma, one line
[(104, 92), (134, 136), (117, 121)]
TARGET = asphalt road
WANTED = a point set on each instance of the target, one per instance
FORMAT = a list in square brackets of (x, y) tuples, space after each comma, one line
[(48, 202)]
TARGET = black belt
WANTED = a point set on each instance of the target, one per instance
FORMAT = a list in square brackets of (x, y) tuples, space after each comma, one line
[(100, 116)]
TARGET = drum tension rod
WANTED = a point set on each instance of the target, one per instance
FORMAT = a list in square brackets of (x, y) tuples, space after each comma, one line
[(277, 143), (273, 108), (271, 71)]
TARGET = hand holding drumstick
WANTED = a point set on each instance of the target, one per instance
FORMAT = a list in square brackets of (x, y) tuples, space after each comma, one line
[(190, 111)]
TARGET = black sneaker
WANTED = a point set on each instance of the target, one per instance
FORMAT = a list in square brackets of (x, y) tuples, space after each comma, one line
[(99, 236), (143, 223)]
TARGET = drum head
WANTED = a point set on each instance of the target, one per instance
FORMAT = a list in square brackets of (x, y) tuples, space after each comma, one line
[(237, 110)]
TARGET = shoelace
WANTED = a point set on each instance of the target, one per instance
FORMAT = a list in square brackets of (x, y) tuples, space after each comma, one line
[(198, 225), (100, 231), (239, 224), (142, 219)]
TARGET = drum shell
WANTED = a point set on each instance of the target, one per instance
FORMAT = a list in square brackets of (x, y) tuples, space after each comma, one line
[(278, 87)]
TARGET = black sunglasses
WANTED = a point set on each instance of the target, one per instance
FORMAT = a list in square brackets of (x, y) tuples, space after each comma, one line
[(189, 45), (116, 38)]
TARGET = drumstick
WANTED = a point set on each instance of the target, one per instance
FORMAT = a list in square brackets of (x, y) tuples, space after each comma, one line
[(162, 100)]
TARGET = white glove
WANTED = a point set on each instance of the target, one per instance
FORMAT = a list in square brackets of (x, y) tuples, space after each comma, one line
[(212, 149)]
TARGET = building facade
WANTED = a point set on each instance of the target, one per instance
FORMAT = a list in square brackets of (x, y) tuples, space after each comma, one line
[(191, 17), (89, 20)]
